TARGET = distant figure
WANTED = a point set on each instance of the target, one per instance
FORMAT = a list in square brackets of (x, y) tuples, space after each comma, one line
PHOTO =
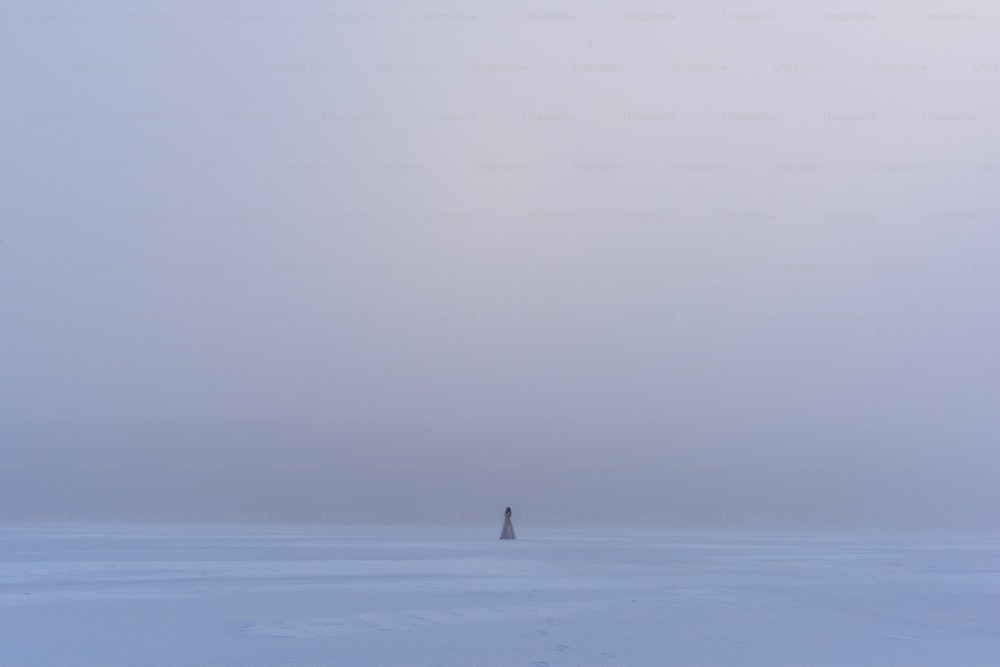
[(508, 528)]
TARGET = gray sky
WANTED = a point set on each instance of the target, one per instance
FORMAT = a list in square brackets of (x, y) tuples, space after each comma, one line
[(697, 262)]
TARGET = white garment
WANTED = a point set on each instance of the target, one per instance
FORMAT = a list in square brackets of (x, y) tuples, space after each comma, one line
[(508, 530)]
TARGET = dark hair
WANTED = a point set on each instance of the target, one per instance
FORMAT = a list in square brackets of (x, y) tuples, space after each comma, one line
[(508, 511)]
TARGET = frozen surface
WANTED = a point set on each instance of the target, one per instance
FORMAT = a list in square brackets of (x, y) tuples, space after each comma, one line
[(348, 595)]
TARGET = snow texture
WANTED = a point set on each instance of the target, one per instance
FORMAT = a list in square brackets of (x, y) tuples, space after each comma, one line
[(391, 596)]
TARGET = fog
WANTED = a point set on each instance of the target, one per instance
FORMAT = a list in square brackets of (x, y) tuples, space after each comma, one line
[(374, 262)]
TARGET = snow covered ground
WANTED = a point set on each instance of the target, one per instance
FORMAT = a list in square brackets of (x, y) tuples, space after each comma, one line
[(348, 595)]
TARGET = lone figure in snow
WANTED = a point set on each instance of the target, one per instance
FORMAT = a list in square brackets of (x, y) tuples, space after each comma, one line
[(508, 528)]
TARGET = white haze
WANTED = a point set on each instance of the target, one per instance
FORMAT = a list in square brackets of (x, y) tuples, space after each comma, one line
[(382, 261)]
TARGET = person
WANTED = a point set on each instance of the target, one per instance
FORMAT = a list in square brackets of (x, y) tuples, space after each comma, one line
[(508, 528)]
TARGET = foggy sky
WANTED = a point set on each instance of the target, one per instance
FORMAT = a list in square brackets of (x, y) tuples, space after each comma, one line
[(666, 263)]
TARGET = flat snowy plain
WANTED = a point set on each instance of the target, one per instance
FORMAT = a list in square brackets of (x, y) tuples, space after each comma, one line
[(393, 596)]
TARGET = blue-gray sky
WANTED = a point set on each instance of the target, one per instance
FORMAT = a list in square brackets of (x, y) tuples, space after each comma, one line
[(692, 262)]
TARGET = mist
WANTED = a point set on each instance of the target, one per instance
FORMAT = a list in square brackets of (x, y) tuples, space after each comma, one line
[(378, 262)]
